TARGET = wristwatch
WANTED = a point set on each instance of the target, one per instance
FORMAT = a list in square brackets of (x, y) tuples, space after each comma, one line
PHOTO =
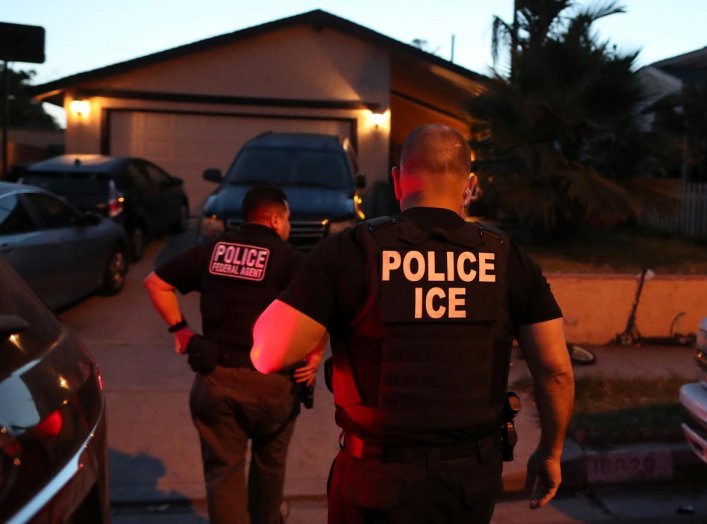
[(179, 325)]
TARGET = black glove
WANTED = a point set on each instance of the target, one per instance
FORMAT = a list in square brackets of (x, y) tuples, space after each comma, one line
[(202, 355)]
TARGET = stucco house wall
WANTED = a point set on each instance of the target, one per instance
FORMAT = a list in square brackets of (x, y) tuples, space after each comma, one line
[(313, 72), (300, 63), (597, 306)]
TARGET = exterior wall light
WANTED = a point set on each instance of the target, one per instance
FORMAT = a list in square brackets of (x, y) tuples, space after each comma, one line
[(81, 108), (378, 119)]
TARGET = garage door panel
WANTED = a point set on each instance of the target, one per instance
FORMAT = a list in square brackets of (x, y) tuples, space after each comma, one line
[(185, 144)]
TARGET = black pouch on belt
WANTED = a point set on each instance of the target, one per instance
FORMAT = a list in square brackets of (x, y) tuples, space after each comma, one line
[(202, 354)]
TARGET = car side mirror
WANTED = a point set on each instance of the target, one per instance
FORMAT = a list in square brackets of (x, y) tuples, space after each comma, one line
[(360, 181), (213, 175)]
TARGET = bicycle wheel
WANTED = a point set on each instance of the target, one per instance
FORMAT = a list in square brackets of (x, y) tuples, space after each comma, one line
[(581, 355)]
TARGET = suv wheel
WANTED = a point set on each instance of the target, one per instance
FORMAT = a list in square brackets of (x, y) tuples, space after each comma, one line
[(137, 242), (116, 271)]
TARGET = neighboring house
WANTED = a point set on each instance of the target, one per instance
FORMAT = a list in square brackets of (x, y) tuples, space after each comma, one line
[(669, 78), (192, 107), (665, 80), (689, 68)]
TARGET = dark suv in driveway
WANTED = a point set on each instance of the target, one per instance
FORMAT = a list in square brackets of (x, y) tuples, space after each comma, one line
[(318, 173), (136, 193), (53, 452)]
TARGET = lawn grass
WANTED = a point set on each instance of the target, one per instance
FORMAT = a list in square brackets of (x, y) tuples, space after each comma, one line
[(616, 410), (610, 411), (618, 251)]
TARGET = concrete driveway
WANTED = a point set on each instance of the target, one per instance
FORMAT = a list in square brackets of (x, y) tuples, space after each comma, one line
[(154, 449)]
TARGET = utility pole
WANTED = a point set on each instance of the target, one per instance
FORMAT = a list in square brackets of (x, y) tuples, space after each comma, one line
[(514, 42), (5, 117), (18, 43)]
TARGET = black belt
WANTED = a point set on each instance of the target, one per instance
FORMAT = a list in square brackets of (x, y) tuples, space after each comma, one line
[(235, 359), (360, 448)]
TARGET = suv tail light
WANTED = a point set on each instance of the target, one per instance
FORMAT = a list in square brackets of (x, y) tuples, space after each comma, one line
[(116, 201), (115, 206), (48, 452)]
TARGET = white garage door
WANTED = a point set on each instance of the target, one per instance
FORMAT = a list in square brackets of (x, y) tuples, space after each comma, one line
[(185, 144)]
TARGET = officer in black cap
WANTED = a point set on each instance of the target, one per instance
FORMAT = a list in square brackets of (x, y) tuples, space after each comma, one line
[(422, 310), (238, 274)]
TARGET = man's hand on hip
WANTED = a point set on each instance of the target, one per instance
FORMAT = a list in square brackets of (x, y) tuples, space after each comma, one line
[(181, 339)]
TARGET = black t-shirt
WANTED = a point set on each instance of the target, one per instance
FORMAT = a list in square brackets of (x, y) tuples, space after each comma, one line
[(330, 286), (234, 303)]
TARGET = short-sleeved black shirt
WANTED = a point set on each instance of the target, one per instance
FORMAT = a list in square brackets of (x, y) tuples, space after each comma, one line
[(189, 271), (330, 286)]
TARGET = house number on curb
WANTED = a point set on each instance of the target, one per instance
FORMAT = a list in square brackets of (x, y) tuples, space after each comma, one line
[(622, 466)]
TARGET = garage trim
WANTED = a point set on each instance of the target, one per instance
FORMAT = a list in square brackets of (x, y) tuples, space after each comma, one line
[(228, 100), (107, 112)]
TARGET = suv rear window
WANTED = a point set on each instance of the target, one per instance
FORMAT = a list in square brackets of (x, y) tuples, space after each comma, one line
[(86, 191), (287, 167)]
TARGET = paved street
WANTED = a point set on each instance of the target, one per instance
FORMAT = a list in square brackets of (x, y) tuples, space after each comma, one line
[(652, 504), (154, 452), (154, 458)]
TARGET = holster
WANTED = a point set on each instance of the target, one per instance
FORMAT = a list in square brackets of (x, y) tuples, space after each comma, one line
[(329, 374), (306, 395), (509, 436), (202, 354)]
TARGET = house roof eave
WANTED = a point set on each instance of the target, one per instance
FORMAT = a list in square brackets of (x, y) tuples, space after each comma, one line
[(51, 91)]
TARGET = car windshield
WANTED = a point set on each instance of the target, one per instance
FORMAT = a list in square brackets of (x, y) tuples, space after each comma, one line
[(43, 329), (84, 190), (287, 167)]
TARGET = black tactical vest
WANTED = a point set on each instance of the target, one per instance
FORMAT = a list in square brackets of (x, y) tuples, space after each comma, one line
[(243, 276), (436, 315)]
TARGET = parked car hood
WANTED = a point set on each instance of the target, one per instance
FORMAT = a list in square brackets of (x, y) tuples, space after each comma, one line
[(306, 203)]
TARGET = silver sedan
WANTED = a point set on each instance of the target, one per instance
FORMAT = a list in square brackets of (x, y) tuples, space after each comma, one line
[(63, 254)]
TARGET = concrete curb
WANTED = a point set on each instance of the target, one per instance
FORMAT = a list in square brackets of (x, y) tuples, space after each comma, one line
[(649, 462), (587, 467)]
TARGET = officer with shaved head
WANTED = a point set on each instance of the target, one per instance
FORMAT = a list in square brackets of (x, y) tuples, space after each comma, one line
[(422, 310)]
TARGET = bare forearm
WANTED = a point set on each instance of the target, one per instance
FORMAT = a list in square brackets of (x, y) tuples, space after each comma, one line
[(554, 398), (283, 336), (548, 360), (164, 298)]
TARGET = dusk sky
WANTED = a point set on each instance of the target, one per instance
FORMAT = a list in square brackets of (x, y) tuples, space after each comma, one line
[(81, 36)]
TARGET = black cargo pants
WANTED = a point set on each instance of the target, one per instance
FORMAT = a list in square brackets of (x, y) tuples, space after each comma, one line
[(432, 490), (229, 406)]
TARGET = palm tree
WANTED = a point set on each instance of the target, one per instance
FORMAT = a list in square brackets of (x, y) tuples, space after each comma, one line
[(557, 140)]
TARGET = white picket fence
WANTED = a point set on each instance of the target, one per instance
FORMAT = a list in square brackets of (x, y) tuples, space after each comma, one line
[(690, 216)]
